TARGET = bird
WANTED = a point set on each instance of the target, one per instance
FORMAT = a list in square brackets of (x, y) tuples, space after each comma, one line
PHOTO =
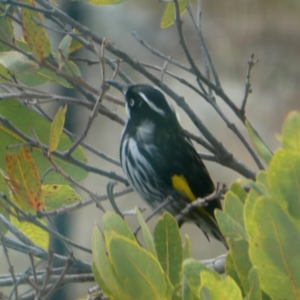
[(160, 161)]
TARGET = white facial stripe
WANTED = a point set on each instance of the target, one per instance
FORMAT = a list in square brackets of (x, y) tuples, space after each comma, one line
[(152, 105), (172, 108)]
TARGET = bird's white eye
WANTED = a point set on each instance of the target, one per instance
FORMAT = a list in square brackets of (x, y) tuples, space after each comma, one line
[(131, 102)]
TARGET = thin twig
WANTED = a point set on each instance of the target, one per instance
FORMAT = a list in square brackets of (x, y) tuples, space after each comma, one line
[(161, 55), (59, 280), (109, 190), (248, 89), (68, 208), (157, 209), (58, 260), (203, 202), (226, 157), (23, 216), (10, 267), (60, 171), (70, 159)]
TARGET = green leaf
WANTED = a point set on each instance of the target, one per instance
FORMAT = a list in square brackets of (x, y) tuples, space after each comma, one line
[(58, 195), (43, 75), (187, 248), (260, 146), (169, 246), (205, 294), (249, 208), (100, 281), (106, 271), (113, 222), (191, 270), (229, 227), (274, 250), (220, 288), (137, 269), (257, 186), (56, 128), (255, 291), (284, 181), (24, 119), (146, 233), (291, 132), (237, 240), (187, 293), (262, 180), (70, 68), (34, 34), (234, 207), (18, 63), (4, 74), (237, 189), (169, 14), (6, 32), (36, 234), (75, 44), (231, 271), (64, 50)]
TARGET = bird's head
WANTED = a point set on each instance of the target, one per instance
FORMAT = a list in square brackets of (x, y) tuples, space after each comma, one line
[(144, 102)]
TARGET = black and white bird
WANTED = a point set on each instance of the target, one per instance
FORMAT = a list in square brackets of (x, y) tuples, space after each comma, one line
[(159, 160)]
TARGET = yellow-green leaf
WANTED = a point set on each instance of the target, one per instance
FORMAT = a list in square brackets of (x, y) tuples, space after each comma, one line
[(75, 44), (237, 240), (168, 245), (138, 270), (231, 271), (234, 207), (146, 233), (100, 281), (34, 34), (58, 195), (187, 248), (36, 234), (24, 119), (113, 222), (6, 32), (284, 181), (255, 291), (191, 270), (237, 189), (274, 247), (56, 128), (105, 269), (220, 288), (291, 132), (260, 146), (169, 14)]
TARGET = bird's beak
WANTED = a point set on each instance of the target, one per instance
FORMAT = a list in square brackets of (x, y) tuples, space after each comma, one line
[(119, 86)]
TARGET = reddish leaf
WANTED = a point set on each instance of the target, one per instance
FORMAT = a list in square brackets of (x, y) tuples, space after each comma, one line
[(34, 34), (24, 180)]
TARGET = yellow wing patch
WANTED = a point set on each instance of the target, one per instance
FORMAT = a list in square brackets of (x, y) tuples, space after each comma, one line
[(180, 184)]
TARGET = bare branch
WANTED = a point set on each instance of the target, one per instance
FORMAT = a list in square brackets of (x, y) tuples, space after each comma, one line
[(248, 89)]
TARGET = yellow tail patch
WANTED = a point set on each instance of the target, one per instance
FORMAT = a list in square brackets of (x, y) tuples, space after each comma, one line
[(180, 184)]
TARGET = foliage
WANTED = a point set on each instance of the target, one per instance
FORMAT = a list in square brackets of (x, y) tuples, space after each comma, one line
[(261, 227), (42, 163)]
